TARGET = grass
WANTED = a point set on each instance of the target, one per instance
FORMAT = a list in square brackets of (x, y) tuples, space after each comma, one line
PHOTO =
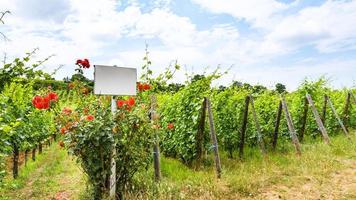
[(322, 172), (318, 173), (54, 175)]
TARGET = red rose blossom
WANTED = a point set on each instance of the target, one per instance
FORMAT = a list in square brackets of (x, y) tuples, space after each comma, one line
[(146, 86), (63, 130), (36, 100), (131, 101), (89, 117), (120, 103), (83, 63), (41, 102), (53, 96), (46, 102), (139, 87), (170, 126)]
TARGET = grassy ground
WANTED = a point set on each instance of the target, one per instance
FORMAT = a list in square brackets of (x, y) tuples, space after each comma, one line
[(54, 175), (322, 172)]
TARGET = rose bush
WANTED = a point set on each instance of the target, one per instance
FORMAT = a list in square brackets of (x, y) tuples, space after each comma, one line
[(95, 136), (89, 137)]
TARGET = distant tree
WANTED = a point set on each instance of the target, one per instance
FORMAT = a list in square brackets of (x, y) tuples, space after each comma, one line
[(258, 89), (221, 88), (66, 79), (197, 77), (79, 77), (280, 88), (246, 86), (174, 87), (237, 84)]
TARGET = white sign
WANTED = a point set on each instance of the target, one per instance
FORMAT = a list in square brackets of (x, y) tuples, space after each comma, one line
[(111, 80)]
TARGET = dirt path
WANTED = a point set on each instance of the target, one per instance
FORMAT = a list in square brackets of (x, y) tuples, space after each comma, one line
[(339, 185), (56, 177)]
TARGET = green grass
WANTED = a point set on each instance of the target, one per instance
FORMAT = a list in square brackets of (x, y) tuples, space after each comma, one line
[(257, 177), (322, 172), (53, 175)]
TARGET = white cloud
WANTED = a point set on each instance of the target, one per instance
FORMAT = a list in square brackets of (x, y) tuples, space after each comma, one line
[(102, 31), (329, 27), (259, 13), (91, 26)]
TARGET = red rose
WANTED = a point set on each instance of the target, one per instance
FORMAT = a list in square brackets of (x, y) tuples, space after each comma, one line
[(170, 126), (41, 102), (46, 102), (63, 130), (131, 101), (140, 87), (79, 62), (53, 96), (89, 117), (83, 63), (86, 63), (120, 103), (36, 100), (146, 86), (39, 105)]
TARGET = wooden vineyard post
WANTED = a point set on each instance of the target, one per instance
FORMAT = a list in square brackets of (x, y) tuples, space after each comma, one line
[(258, 128), (243, 127), (156, 153), (304, 120), (200, 134), (26, 156), (40, 148), (337, 116), (318, 120), (291, 128), (34, 154), (323, 115), (112, 180), (15, 167), (276, 127), (346, 110), (214, 139)]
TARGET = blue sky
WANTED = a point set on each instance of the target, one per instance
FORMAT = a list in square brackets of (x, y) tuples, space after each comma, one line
[(265, 41)]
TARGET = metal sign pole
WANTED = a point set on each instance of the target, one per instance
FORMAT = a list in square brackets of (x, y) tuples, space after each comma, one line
[(113, 162), (112, 80)]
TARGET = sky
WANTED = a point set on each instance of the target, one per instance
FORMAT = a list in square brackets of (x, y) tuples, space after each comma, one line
[(259, 41)]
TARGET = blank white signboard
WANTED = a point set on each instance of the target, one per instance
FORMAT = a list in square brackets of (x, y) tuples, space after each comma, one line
[(111, 80)]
